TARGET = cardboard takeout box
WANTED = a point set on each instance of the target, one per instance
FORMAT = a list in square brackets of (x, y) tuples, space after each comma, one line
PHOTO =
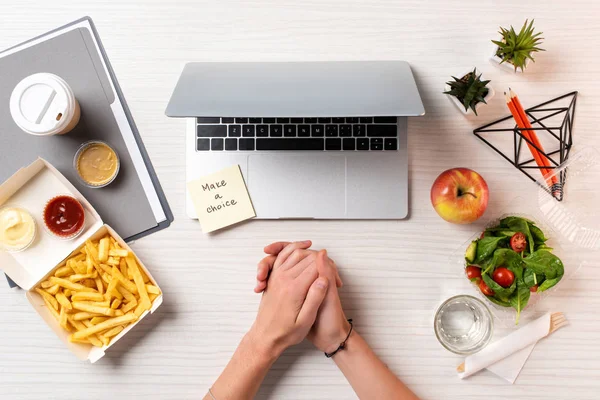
[(31, 188)]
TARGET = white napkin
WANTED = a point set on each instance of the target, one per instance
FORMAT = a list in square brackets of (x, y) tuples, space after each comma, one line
[(510, 368), (507, 356)]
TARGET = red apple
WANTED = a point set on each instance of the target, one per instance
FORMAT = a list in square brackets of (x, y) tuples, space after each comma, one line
[(459, 195)]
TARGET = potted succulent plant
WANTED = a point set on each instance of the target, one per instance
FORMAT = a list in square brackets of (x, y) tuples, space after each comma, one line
[(469, 92), (514, 50)]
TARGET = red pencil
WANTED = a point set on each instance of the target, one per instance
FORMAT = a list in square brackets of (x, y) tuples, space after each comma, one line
[(542, 160), (521, 124)]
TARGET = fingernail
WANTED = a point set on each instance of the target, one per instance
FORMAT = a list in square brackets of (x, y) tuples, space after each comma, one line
[(306, 241), (322, 283)]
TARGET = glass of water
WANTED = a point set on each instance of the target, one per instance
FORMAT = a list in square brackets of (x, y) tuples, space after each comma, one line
[(463, 324)]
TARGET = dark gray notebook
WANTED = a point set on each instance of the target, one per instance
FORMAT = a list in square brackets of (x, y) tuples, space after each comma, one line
[(134, 204)]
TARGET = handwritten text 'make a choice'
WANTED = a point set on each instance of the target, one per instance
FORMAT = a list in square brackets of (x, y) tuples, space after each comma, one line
[(224, 203)]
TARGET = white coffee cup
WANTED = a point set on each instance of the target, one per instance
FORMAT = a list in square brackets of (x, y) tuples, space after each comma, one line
[(44, 105)]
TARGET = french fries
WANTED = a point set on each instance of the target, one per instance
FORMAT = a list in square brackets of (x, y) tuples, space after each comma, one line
[(97, 292), (64, 302), (113, 332), (82, 296), (82, 316), (97, 320), (102, 326)]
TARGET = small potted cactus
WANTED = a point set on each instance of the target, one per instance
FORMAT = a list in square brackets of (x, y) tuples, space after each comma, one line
[(514, 51), (469, 92)]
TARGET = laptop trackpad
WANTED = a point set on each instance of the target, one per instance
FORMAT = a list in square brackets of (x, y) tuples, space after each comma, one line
[(297, 186)]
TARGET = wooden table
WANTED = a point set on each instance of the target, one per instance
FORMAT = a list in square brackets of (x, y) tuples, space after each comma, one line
[(396, 272)]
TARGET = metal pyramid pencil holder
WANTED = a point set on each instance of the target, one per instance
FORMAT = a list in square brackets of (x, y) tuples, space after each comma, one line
[(552, 122)]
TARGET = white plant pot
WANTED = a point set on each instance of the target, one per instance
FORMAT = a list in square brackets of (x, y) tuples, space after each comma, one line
[(494, 59), (460, 106)]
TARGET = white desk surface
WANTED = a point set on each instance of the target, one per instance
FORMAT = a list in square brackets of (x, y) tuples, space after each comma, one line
[(396, 273)]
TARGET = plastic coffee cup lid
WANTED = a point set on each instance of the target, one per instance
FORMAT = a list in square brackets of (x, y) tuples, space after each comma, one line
[(42, 104)]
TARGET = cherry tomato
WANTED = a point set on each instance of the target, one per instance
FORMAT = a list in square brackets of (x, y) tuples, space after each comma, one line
[(533, 289), (485, 289), (473, 272), (518, 242), (503, 277)]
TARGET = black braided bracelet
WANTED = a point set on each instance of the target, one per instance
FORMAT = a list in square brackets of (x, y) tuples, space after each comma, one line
[(343, 344)]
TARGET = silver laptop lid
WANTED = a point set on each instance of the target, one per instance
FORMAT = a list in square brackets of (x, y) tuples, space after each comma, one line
[(296, 89)]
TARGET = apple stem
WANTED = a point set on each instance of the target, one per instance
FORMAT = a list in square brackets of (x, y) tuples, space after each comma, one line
[(461, 193)]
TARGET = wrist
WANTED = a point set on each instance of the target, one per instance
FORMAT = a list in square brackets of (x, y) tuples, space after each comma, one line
[(338, 338), (267, 350), (350, 347)]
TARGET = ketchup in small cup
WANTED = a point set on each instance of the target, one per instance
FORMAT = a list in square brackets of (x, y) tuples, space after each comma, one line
[(64, 217)]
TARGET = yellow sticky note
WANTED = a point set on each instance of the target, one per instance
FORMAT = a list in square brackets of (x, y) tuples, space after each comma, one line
[(221, 199)]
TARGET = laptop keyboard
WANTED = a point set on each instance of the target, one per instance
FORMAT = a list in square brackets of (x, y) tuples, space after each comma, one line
[(329, 134)]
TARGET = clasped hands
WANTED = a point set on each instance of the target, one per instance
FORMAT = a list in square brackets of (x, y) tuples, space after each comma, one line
[(300, 299)]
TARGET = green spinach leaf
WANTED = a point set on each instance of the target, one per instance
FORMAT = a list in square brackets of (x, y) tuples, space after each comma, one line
[(520, 298), (499, 231), (531, 278), (547, 284), (507, 221), (486, 247), (499, 291), (544, 262), (538, 235), (498, 301), (506, 257)]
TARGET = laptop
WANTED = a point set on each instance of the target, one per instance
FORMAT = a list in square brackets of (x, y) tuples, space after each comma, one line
[(314, 140)]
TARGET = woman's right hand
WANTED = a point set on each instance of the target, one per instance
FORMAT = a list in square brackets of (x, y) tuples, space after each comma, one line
[(331, 326)]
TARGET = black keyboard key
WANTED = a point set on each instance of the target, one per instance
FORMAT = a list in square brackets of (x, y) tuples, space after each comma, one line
[(212, 130), (208, 120), (345, 130), (268, 120), (276, 131), (216, 144), (349, 144), (382, 130), (296, 120), (376, 144), (303, 130), (324, 120), (262, 130), (331, 130), (366, 120), (290, 144), (362, 144), (385, 120), (225, 120), (203, 144), (318, 130), (359, 130), (248, 131), (333, 144), (231, 144), (352, 120), (289, 130), (241, 120), (235, 130), (310, 120), (283, 120), (246, 144), (255, 120), (390, 144), (337, 120)]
